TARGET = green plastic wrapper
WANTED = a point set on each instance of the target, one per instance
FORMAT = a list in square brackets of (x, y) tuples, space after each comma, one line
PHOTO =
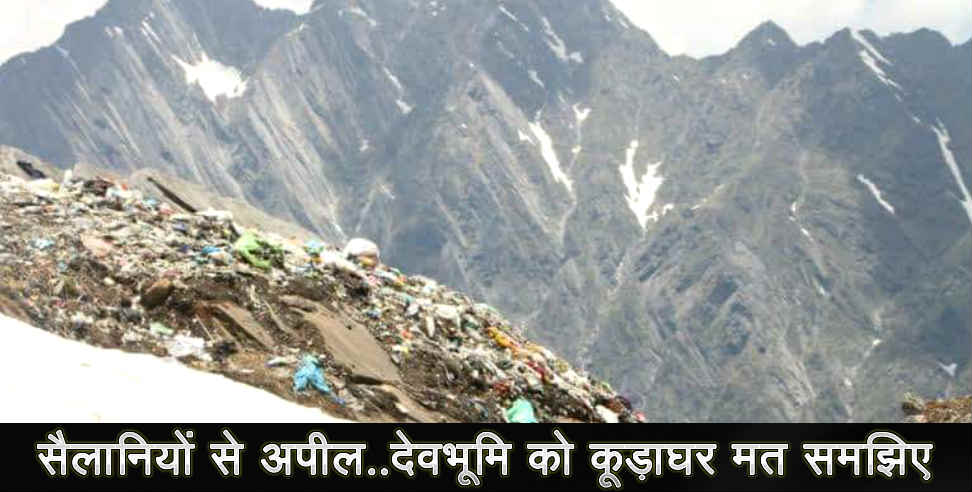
[(521, 412)]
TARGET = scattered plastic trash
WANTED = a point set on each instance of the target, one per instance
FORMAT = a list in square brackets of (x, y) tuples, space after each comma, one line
[(314, 247), (42, 243), (217, 215), (117, 255), (521, 412), (181, 346), (157, 328), (310, 373), (29, 169), (607, 414), (257, 251), (361, 248), (280, 361)]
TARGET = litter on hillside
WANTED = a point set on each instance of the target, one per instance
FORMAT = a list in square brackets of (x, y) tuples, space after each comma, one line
[(115, 267)]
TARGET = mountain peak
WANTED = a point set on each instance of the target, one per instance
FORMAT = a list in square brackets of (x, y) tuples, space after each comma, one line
[(768, 35)]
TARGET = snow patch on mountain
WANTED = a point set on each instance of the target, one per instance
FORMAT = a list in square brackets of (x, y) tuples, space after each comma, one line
[(394, 80), (553, 40), (509, 14), (869, 47), (640, 193), (403, 106), (147, 29), (215, 78), (581, 114), (943, 140), (358, 11), (876, 192), (870, 56), (550, 155), (535, 78), (299, 7)]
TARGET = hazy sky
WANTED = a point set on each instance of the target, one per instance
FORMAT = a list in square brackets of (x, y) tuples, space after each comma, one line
[(708, 27), (692, 27)]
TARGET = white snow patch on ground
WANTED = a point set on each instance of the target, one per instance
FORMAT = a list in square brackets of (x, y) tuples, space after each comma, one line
[(114, 31), (503, 49), (876, 192), (364, 145), (875, 342), (943, 140), (536, 78), (93, 384), (403, 106), (299, 7), (869, 47), (676, 78), (576, 57), (870, 56), (770, 42), (361, 13), (949, 369), (150, 32), (550, 155), (553, 41), (299, 29), (509, 14), (523, 136), (576, 149), (641, 193), (581, 113), (393, 78), (806, 233), (215, 78)]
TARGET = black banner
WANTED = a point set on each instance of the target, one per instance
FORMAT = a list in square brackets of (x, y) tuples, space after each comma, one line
[(611, 457)]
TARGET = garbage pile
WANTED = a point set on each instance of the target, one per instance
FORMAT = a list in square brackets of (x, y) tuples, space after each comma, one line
[(94, 260), (942, 410)]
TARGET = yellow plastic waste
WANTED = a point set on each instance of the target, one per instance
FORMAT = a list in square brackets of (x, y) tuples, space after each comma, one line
[(502, 339)]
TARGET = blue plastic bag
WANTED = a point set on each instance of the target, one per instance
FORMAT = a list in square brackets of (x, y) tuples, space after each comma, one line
[(310, 373), (521, 412)]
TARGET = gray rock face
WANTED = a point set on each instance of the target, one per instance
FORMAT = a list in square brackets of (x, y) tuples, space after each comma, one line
[(773, 234)]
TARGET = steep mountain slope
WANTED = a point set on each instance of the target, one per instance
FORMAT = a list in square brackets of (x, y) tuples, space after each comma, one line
[(762, 235)]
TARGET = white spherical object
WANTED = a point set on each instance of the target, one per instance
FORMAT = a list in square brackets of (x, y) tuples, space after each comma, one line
[(359, 247)]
